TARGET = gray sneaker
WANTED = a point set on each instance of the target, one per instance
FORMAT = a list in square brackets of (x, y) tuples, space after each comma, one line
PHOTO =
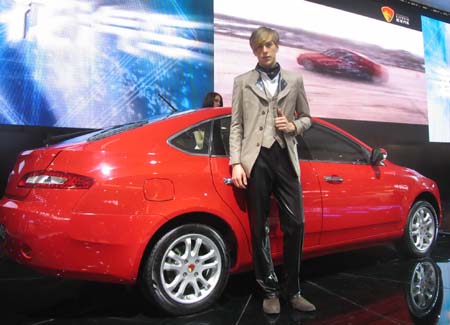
[(301, 304), (271, 305)]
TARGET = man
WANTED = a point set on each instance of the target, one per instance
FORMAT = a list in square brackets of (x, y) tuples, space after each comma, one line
[(269, 108)]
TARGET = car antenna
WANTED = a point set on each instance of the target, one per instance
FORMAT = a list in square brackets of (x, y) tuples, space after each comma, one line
[(167, 102)]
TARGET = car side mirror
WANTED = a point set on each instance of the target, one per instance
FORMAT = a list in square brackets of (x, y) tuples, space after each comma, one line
[(377, 156)]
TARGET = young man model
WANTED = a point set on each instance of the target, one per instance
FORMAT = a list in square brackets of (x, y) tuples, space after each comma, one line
[(269, 109)]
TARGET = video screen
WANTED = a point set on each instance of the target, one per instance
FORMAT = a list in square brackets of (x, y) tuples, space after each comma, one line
[(97, 63), (354, 67), (436, 37)]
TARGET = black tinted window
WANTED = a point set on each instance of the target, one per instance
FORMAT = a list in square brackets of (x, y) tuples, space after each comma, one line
[(221, 137), (194, 140), (325, 144), (318, 143), (303, 150)]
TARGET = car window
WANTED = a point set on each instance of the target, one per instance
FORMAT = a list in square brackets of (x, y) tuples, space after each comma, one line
[(337, 53), (344, 55), (221, 135), (349, 58), (221, 140), (303, 149), (324, 144), (330, 52), (318, 143), (194, 140)]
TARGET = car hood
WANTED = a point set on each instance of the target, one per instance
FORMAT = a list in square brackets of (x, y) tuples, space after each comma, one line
[(312, 56)]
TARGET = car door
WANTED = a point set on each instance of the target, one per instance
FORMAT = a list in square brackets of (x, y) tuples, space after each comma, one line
[(359, 200), (235, 198)]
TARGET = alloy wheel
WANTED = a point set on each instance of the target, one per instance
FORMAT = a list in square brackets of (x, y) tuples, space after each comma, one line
[(422, 228), (190, 268)]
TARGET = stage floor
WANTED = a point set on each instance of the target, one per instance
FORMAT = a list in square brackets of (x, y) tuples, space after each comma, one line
[(369, 286)]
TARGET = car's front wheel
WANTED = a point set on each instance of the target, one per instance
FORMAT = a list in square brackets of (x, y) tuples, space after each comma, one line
[(187, 269), (421, 230), (308, 65)]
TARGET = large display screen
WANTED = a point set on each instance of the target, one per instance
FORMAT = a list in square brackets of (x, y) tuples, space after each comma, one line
[(436, 35), (96, 63), (354, 67)]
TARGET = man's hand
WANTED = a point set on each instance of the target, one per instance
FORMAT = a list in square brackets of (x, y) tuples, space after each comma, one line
[(238, 176), (282, 123)]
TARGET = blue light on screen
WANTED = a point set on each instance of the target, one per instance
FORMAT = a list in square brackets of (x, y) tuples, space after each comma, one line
[(81, 63), (436, 36)]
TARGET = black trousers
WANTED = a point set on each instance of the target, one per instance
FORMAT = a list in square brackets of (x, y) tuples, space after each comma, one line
[(273, 173)]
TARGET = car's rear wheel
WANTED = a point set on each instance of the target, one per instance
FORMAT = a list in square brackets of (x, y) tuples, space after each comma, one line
[(421, 230), (187, 269)]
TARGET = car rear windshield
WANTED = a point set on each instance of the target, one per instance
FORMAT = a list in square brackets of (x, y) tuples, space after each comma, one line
[(110, 131), (129, 126), (116, 130)]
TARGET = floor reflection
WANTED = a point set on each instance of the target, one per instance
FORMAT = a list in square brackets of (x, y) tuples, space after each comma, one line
[(367, 286)]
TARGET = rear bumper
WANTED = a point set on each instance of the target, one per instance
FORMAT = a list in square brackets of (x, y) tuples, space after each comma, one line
[(84, 246)]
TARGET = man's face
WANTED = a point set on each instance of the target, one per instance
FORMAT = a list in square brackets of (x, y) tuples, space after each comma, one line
[(266, 53)]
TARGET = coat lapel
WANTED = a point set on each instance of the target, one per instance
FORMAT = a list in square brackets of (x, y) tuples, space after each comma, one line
[(256, 85), (285, 84)]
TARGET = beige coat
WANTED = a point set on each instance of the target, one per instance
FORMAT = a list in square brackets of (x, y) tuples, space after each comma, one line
[(249, 108)]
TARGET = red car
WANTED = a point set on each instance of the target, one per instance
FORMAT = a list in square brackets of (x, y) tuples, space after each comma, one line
[(344, 62), (151, 202)]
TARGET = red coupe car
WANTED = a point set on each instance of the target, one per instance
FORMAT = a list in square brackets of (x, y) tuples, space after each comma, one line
[(344, 62), (151, 203)]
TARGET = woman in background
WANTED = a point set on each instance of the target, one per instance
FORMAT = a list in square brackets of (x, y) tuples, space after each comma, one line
[(213, 99)]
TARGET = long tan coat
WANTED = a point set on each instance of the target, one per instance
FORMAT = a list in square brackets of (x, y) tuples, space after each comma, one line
[(249, 108)]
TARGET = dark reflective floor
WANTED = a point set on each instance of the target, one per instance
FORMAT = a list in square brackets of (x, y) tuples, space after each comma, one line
[(370, 286)]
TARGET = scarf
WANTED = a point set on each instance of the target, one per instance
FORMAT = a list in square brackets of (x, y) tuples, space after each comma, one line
[(271, 72)]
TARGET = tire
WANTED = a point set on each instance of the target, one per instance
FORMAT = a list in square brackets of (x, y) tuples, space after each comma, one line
[(378, 79), (308, 65), (421, 230), (364, 75), (186, 271), (424, 292)]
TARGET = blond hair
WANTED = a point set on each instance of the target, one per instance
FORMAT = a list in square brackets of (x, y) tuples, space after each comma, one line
[(262, 35)]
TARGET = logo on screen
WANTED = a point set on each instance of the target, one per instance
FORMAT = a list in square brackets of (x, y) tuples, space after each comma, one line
[(388, 13)]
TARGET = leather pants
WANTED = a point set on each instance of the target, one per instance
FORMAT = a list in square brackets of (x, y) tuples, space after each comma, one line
[(273, 173)]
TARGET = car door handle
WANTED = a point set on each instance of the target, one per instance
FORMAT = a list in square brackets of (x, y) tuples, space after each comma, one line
[(333, 179), (228, 181)]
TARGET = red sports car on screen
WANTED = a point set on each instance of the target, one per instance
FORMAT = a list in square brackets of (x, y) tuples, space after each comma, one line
[(344, 62), (151, 203)]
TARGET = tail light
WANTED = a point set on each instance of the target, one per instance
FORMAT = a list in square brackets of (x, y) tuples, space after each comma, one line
[(55, 179)]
